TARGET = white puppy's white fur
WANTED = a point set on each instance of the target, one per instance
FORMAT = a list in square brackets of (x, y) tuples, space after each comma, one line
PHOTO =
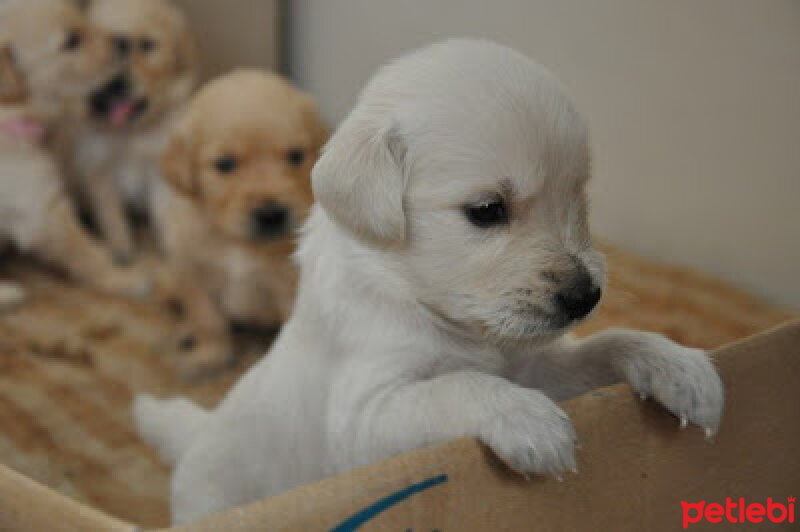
[(412, 324)]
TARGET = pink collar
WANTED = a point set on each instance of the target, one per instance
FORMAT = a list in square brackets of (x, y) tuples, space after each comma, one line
[(25, 128)]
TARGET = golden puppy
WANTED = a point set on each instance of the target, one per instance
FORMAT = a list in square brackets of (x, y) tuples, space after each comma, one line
[(239, 162), (50, 59), (114, 160), (51, 50)]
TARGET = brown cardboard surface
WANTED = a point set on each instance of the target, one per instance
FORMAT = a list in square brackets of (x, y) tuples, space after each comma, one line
[(635, 466)]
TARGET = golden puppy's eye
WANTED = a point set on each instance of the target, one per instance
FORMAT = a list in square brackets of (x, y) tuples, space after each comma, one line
[(147, 45), (122, 45), (73, 41), (296, 157), (225, 164), (488, 213)]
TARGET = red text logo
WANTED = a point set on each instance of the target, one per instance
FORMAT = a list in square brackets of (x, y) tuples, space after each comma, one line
[(737, 511)]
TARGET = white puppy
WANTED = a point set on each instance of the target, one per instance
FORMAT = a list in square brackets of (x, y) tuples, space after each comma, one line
[(447, 256)]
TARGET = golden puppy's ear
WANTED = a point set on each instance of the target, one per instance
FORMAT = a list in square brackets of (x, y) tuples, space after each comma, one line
[(12, 85), (186, 53), (360, 180), (176, 166), (315, 125)]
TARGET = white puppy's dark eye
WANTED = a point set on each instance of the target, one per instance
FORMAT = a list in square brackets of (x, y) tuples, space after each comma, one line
[(487, 213), (73, 41), (225, 164)]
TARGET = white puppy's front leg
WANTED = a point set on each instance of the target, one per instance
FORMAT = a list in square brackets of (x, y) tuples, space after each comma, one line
[(523, 427), (682, 379)]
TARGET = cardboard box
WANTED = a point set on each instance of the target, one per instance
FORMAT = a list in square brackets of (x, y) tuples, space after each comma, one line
[(635, 468)]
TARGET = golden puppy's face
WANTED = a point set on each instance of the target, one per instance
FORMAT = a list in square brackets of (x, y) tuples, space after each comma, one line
[(58, 55), (153, 38), (244, 152)]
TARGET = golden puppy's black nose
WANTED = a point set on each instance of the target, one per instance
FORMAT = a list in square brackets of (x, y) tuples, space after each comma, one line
[(578, 300), (103, 98), (119, 87), (270, 220)]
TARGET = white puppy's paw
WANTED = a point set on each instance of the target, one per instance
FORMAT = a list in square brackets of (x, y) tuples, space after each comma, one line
[(682, 379), (533, 436)]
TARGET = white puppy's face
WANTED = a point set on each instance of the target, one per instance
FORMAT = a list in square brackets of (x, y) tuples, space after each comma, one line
[(469, 170)]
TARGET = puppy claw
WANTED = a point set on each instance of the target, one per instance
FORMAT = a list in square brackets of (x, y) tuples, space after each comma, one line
[(682, 379), (709, 433)]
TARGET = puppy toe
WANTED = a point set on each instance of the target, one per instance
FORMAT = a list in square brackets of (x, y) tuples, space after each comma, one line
[(534, 437), (684, 381)]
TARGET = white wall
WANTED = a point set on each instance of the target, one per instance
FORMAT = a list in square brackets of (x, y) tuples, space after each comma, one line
[(694, 109)]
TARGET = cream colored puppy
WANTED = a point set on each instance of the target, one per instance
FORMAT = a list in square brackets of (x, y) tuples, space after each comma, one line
[(239, 165), (50, 59), (447, 257), (114, 160)]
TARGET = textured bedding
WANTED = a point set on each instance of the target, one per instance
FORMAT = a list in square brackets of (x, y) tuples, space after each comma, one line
[(71, 360)]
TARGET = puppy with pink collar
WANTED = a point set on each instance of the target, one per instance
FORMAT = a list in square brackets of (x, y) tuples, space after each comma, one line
[(50, 60), (16, 124)]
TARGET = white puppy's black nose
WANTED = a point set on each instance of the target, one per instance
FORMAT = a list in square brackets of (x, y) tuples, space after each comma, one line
[(578, 299)]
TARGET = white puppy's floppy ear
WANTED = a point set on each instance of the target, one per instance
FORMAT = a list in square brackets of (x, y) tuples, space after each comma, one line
[(359, 179)]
